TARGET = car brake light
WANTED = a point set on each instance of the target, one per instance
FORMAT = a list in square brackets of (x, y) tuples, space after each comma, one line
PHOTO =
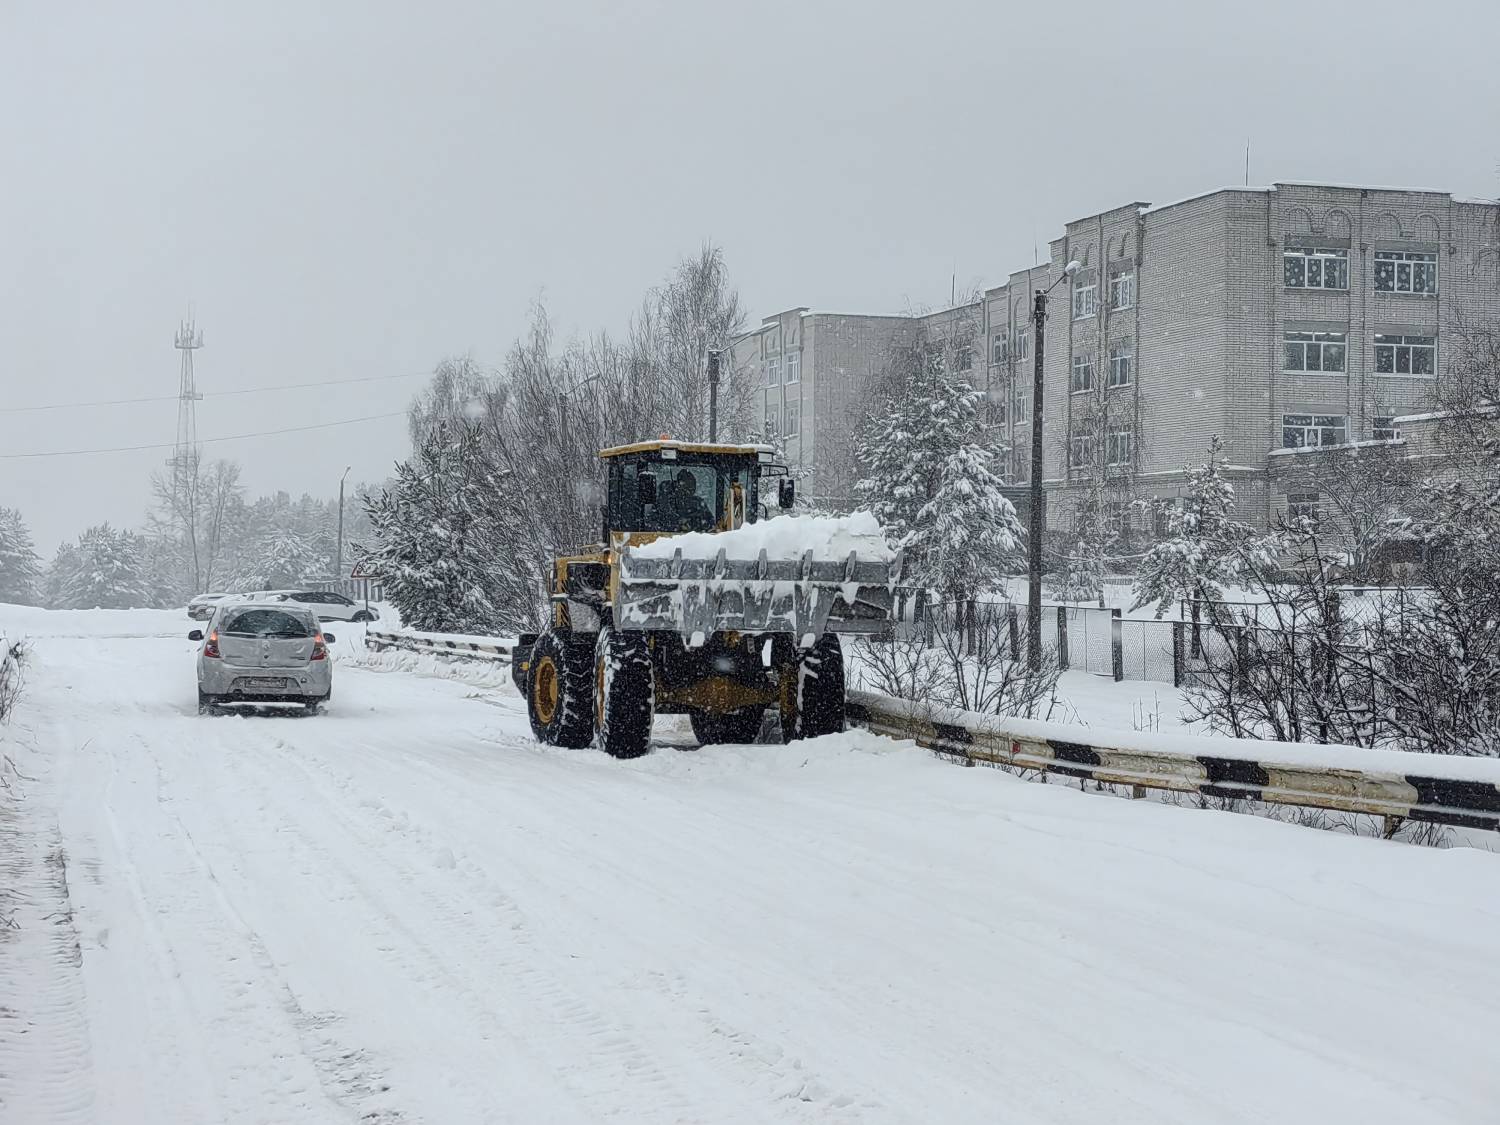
[(211, 646), (320, 650)]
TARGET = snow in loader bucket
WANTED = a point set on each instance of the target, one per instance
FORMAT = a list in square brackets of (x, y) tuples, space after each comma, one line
[(802, 575)]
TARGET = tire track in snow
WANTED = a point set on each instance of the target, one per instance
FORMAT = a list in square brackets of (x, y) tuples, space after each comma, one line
[(753, 1065), (497, 1018), (614, 1068)]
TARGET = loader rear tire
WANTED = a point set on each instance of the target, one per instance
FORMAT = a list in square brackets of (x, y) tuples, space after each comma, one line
[(560, 690), (733, 727), (624, 693), (812, 701)]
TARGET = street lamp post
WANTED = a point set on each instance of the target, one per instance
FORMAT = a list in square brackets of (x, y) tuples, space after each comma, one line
[(338, 566), (1035, 528)]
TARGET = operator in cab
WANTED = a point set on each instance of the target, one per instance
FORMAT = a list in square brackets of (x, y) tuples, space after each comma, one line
[(683, 509)]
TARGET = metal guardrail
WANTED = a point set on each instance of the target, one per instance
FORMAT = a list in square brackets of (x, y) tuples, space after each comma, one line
[(473, 650), (1396, 796)]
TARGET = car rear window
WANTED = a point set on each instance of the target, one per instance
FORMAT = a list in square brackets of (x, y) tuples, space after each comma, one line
[(266, 623)]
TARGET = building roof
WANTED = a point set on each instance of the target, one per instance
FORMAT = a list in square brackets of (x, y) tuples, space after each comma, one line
[(657, 445)]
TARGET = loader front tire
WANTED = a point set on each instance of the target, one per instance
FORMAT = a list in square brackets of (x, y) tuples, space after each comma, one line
[(560, 690), (733, 727), (812, 694), (624, 693)]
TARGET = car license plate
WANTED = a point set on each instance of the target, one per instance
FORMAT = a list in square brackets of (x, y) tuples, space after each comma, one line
[(266, 682)]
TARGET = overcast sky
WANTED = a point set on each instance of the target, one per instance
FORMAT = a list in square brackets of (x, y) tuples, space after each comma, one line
[(358, 188)]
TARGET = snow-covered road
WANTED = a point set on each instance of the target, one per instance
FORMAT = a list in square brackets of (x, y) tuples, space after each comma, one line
[(404, 910)]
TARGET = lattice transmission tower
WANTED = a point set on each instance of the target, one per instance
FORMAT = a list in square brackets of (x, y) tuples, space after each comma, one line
[(184, 460)]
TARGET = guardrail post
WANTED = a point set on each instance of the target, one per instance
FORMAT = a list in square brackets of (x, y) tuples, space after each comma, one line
[(1179, 653), (1116, 645), (1013, 624), (1062, 637)]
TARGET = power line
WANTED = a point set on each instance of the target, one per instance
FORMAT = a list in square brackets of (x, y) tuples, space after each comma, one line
[(209, 394), (202, 441)]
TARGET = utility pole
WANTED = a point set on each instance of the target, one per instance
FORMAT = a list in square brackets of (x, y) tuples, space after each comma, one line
[(1034, 516), (713, 394), (1035, 523), (338, 566)]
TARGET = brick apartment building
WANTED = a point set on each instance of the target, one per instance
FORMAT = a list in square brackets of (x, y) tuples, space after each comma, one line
[(1281, 318)]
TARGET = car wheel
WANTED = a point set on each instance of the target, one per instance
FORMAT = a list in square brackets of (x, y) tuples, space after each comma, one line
[(207, 704), (362, 617), (313, 702)]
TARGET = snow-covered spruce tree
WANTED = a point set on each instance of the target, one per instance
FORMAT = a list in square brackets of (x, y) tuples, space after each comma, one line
[(967, 535), (439, 542), (107, 572), (1081, 576), (923, 413), (20, 568), (280, 558), (57, 576), (1206, 548)]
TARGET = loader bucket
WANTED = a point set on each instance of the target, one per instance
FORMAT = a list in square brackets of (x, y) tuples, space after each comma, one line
[(698, 595)]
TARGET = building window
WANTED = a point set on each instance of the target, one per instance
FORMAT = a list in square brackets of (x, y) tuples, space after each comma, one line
[(1023, 344), (1163, 515), (1385, 428), (792, 414), (1020, 462), (1081, 450), (773, 420), (1303, 352), (1022, 403), (1315, 268), (1083, 375), (1118, 446), (793, 366), (1121, 365), (999, 348), (1405, 355), (1397, 271), (1302, 506), (1122, 290), (1300, 431), (773, 370), (1085, 299), (999, 412), (963, 358)]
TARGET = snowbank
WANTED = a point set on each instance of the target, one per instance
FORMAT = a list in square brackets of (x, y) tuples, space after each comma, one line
[(782, 538), (21, 621)]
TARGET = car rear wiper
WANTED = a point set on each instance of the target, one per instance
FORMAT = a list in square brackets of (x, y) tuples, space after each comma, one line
[(292, 636)]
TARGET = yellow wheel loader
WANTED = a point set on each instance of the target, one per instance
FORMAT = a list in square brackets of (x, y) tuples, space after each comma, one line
[(697, 603)]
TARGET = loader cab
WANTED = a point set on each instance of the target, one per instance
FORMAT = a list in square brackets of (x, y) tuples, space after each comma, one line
[(667, 487)]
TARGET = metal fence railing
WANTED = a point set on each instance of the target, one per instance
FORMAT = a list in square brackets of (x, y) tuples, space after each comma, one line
[(1085, 638)]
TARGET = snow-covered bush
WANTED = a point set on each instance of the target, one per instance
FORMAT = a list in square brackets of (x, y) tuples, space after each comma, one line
[(972, 663), (12, 664)]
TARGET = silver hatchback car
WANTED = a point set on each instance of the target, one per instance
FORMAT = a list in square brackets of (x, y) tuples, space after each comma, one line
[(259, 653)]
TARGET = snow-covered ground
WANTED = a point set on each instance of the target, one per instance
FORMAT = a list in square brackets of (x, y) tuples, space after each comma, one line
[(404, 910)]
